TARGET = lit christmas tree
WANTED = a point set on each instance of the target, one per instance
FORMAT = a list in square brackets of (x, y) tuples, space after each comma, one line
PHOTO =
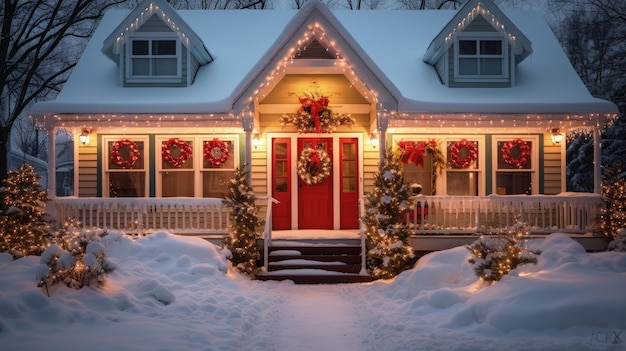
[(242, 241), (385, 210), (23, 229), (613, 217)]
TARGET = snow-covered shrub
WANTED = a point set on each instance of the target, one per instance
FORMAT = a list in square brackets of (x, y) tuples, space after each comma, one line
[(619, 243), (77, 259), (495, 255), (613, 216)]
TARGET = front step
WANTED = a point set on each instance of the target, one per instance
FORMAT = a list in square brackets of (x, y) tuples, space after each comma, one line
[(315, 264)]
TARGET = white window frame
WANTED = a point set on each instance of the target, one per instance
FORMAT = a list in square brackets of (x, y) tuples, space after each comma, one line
[(106, 161), (197, 155), (504, 77), (150, 37), (534, 160)]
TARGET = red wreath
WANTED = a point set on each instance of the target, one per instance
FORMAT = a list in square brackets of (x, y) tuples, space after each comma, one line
[(185, 152), (133, 153), (215, 152), (516, 161), (470, 154)]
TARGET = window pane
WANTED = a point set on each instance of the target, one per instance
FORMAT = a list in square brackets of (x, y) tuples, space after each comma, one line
[(349, 185), (512, 156), (175, 153), (422, 176), (491, 47), (140, 47), (141, 67), (177, 184), (164, 47), (125, 154), (164, 67), (127, 184), (467, 47), (461, 155), (462, 183), (491, 67), (281, 185), (217, 153), (280, 169), (513, 183), (280, 150), (468, 67), (215, 184)]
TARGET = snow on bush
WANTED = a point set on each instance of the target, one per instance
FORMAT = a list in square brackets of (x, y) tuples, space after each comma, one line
[(619, 243), (495, 255)]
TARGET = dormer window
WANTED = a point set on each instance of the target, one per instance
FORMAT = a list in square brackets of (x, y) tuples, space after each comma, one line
[(154, 59), (480, 59)]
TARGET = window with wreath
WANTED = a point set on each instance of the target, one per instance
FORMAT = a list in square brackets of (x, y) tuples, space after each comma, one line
[(481, 58), (515, 162), (195, 166), (125, 167), (154, 58), (463, 167)]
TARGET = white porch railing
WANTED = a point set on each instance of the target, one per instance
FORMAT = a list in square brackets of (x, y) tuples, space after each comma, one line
[(569, 213), (146, 215)]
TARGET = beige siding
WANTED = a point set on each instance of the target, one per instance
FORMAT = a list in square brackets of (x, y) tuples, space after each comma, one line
[(88, 168), (552, 166)]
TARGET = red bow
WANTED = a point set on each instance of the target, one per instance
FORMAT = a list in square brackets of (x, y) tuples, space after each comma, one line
[(413, 152), (316, 106), (315, 160)]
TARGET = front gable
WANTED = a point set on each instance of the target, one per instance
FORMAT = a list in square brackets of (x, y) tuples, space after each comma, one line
[(479, 47), (153, 46)]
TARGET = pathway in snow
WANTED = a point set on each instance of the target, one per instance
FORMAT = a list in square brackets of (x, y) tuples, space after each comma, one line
[(315, 317)]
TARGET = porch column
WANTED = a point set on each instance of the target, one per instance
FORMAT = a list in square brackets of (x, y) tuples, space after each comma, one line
[(597, 161), (248, 127), (52, 163), (382, 124)]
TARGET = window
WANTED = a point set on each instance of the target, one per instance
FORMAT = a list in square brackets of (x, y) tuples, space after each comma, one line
[(154, 58), (195, 166), (125, 164), (463, 171), (515, 165), (480, 59)]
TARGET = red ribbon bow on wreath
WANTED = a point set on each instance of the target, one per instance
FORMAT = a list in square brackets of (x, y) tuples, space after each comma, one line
[(413, 152), (316, 107), (315, 160)]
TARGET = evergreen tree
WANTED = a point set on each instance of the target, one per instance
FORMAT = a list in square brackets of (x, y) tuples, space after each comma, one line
[(23, 229), (613, 217), (385, 210), (242, 241)]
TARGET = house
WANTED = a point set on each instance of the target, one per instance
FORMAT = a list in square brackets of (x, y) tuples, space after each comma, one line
[(168, 103)]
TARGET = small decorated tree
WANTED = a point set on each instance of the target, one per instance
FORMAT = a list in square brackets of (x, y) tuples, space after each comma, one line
[(242, 241), (385, 208), (23, 229), (613, 217)]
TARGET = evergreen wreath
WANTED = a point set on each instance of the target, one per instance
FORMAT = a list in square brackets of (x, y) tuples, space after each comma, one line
[(516, 153), (313, 166), (414, 152), (182, 146), (314, 116), (215, 152), (463, 153), (133, 156)]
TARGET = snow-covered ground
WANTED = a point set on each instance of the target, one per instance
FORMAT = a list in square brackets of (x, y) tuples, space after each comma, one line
[(176, 293)]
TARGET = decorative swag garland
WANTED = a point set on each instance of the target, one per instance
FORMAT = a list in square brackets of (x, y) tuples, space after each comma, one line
[(133, 156), (215, 152), (516, 153), (313, 166), (184, 152), (314, 116), (414, 152), (463, 153)]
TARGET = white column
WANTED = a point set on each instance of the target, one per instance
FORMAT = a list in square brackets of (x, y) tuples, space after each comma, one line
[(248, 127), (597, 161), (382, 124), (52, 164)]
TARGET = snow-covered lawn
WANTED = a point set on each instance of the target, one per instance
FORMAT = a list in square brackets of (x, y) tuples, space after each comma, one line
[(176, 293)]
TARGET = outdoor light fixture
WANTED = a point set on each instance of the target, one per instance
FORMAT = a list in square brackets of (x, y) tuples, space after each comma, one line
[(84, 136), (374, 140), (255, 140), (557, 137)]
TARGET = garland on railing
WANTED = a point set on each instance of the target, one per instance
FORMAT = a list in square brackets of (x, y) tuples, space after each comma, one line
[(133, 155), (215, 152), (184, 152), (516, 153), (314, 116), (313, 166), (414, 152), (463, 153)]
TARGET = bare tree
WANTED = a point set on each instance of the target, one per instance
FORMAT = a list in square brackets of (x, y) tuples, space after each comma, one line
[(40, 41), (219, 4)]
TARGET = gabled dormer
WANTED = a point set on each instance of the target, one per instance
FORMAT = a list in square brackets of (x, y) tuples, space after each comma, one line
[(153, 46), (479, 47)]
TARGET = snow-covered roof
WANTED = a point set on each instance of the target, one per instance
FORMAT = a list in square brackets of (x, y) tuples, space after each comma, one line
[(394, 42)]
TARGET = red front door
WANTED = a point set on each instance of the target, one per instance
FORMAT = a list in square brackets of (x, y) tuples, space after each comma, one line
[(281, 183), (315, 202)]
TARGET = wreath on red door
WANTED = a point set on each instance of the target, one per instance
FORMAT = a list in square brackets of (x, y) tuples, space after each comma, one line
[(516, 153), (133, 155), (313, 166), (182, 146), (463, 153), (215, 152)]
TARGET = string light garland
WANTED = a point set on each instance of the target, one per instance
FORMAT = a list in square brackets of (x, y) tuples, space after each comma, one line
[(183, 148), (516, 153), (215, 152), (314, 116), (133, 156), (463, 153), (313, 165)]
